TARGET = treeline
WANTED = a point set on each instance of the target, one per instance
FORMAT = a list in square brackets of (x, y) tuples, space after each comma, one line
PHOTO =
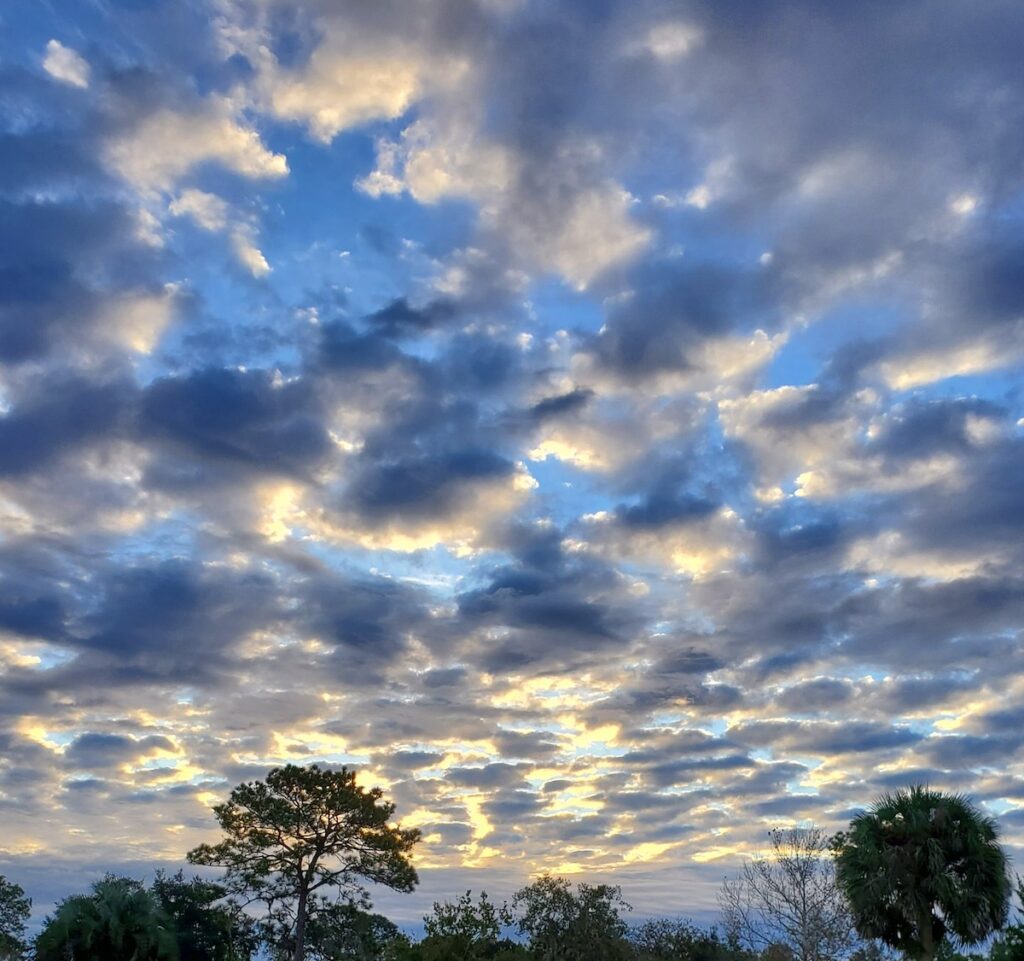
[(192, 919), (920, 875)]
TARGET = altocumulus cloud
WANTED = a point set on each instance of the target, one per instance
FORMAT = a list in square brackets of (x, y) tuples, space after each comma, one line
[(600, 424)]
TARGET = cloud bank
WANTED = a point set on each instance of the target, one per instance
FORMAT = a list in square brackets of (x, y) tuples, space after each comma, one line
[(600, 424)]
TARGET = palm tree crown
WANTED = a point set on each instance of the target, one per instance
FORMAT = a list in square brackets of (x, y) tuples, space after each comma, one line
[(922, 865), (119, 921)]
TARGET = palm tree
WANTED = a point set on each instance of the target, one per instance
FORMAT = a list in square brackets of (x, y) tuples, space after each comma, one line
[(921, 865), (119, 921)]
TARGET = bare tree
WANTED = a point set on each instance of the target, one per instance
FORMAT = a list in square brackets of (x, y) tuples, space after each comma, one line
[(789, 897)]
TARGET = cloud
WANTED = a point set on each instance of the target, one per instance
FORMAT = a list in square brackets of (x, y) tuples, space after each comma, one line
[(213, 213), (63, 64), (208, 210), (93, 751), (250, 256), (621, 458), (167, 144), (577, 229), (260, 425)]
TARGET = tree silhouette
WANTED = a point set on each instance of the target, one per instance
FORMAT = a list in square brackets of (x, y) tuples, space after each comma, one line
[(464, 931), (14, 914), (119, 921), (303, 830), (922, 865), (206, 927), (790, 898), (565, 925)]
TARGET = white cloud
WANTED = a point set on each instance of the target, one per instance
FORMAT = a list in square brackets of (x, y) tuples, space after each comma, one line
[(597, 233), (208, 210), (668, 41), (583, 233), (249, 254), (352, 77), (890, 553), (138, 320), (340, 90), (214, 214), (168, 144), (481, 505), (63, 64), (977, 356), (434, 162)]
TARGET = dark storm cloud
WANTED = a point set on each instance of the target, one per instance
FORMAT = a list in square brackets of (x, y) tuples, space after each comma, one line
[(96, 750), (662, 507), (31, 616), (344, 349), (560, 404), (652, 746), (443, 677), (822, 694), (675, 307), (799, 536), (400, 319), (855, 84), (971, 752), (686, 661), (64, 223), (980, 284), (236, 418), (176, 614), (42, 584), (963, 623), (986, 511), (50, 251), (490, 776), (654, 692), (510, 807), (534, 746), (171, 623), (576, 600), (71, 412), (824, 738), (909, 694), (923, 428), (1004, 721), (424, 485), (434, 445), (479, 365), (412, 760), (32, 158), (367, 621)]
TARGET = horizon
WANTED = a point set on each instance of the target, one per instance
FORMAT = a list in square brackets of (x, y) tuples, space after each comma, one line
[(600, 425)]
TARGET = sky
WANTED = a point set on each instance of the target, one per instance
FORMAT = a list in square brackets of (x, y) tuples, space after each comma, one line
[(599, 423)]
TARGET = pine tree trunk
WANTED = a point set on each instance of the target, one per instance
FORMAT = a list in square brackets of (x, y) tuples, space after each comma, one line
[(928, 946), (299, 954)]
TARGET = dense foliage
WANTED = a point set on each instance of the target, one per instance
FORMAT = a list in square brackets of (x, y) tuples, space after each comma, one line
[(14, 914), (119, 920), (921, 866), (206, 925)]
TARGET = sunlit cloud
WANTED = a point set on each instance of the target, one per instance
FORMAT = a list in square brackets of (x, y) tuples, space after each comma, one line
[(601, 431)]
